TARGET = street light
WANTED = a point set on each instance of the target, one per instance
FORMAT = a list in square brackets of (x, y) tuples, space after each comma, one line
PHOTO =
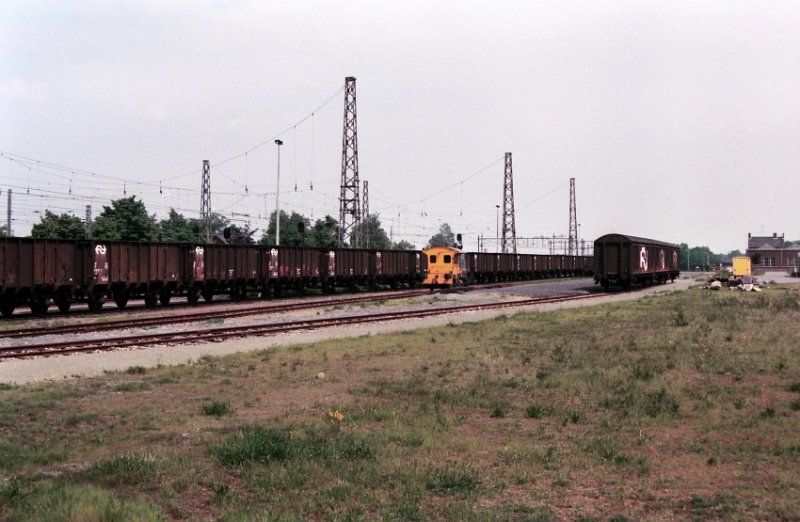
[(278, 198), (497, 227)]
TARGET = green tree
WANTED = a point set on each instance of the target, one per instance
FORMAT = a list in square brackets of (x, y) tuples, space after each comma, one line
[(126, 219), (403, 245), (218, 224), (377, 237), (290, 230), (237, 235), (698, 258), (730, 255), (325, 233), (58, 226), (3, 231), (444, 237), (177, 228)]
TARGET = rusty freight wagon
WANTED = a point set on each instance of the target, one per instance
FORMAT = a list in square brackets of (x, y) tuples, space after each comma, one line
[(396, 267), (621, 260), (231, 269), (34, 271), (285, 267), (481, 267), (344, 267), (152, 271)]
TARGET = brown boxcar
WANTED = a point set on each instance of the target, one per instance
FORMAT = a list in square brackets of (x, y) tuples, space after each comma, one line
[(149, 270), (34, 271), (395, 267), (506, 266), (624, 260), (344, 267), (481, 266), (230, 268), (289, 267)]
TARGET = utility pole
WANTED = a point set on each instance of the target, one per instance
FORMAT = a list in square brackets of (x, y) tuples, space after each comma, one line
[(349, 202), (8, 225), (497, 229), (365, 216), (88, 224), (509, 228), (205, 200), (278, 198), (573, 220)]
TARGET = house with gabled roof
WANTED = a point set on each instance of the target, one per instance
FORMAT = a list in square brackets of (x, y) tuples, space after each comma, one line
[(770, 252)]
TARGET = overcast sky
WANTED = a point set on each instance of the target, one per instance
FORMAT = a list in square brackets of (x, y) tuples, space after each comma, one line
[(679, 121)]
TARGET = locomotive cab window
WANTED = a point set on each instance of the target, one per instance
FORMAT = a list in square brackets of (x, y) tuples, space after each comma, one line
[(447, 259), (432, 259)]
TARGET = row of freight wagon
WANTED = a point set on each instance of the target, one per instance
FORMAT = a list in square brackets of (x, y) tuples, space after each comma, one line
[(484, 267), (448, 266), (38, 272)]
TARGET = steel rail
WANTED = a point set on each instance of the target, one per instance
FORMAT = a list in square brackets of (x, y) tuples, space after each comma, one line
[(269, 329), (200, 316)]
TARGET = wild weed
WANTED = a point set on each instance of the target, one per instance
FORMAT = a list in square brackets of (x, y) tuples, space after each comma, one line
[(455, 478), (217, 408)]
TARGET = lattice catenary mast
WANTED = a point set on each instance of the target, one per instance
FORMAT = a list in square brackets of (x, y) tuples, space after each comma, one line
[(573, 221), (205, 200), (349, 202), (509, 228)]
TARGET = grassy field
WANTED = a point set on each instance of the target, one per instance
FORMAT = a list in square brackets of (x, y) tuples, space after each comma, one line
[(677, 407)]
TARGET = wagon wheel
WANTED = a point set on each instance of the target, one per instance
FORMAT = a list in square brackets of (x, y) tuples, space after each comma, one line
[(95, 302), (63, 305), (40, 304), (236, 293), (193, 296), (164, 297), (7, 307), (121, 299), (150, 299), (63, 301), (208, 295)]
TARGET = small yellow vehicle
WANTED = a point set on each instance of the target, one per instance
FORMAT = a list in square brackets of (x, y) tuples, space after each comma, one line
[(445, 267), (742, 266)]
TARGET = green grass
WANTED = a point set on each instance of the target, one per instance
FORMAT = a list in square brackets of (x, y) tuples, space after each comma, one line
[(59, 500), (217, 408), (124, 469), (670, 407)]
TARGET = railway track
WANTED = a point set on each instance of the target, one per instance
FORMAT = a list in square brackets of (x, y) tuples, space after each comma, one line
[(143, 322), (216, 334)]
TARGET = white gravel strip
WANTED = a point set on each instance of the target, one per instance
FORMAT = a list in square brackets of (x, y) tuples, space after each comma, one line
[(20, 371)]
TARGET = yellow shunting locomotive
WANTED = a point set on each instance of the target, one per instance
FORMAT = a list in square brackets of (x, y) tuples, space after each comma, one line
[(446, 267)]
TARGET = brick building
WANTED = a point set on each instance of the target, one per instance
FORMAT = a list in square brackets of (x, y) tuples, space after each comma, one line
[(770, 252)]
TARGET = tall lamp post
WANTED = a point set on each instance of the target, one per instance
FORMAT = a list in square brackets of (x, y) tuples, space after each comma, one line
[(278, 198), (497, 229)]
